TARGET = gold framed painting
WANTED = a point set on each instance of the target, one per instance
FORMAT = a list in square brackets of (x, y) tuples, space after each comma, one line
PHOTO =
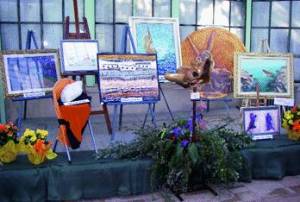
[(29, 71), (271, 72)]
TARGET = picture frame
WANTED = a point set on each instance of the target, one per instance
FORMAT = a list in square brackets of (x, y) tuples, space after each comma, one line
[(128, 78), (160, 36), (29, 71), (79, 57), (273, 72), (260, 122)]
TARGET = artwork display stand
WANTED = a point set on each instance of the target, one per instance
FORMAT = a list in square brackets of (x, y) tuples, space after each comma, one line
[(151, 105), (22, 109), (85, 35)]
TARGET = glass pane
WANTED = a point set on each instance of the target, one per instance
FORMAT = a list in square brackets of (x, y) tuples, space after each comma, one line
[(238, 32), (9, 37), (104, 11), (280, 13), (53, 34), (237, 13), (37, 33), (296, 13), (162, 8), (69, 9), (257, 35), (30, 10), (8, 10), (205, 12), (295, 41), (123, 10), (279, 40), (52, 10), (297, 69), (105, 37), (260, 14), (143, 8), (118, 40), (222, 12), (185, 31), (187, 11)]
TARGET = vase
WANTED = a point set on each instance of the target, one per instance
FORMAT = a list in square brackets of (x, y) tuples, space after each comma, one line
[(293, 135), (8, 152), (36, 158)]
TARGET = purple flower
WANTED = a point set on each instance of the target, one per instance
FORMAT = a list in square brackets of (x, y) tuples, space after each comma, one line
[(189, 125), (177, 131), (184, 143)]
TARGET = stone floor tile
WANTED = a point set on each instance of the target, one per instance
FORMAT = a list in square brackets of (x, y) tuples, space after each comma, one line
[(290, 181), (295, 188)]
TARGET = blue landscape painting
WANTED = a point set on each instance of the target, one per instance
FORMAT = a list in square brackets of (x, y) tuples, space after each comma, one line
[(32, 72), (158, 38)]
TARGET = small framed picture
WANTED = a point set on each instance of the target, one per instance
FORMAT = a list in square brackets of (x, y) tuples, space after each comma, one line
[(271, 72), (261, 122), (79, 57), (29, 71), (128, 78)]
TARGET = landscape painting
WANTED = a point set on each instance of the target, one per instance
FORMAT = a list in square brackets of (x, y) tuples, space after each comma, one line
[(79, 57), (271, 74), (160, 36), (128, 78), (29, 71)]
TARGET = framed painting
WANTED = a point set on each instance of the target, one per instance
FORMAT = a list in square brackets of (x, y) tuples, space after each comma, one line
[(272, 73), (79, 57), (260, 122), (160, 36), (128, 78), (29, 71)]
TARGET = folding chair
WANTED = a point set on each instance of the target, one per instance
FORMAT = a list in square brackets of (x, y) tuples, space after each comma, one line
[(64, 125)]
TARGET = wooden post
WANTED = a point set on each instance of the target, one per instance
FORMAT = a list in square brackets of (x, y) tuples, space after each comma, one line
[(194, 113)]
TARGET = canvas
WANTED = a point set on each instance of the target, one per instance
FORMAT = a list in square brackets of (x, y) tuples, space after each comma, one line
[(273, 73), (160, 36), (29, 71), (261, 120), (128, 78), (79, 57)]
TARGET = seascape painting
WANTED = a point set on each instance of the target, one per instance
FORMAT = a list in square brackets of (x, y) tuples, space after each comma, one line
[(271, 73), (261, 120), (128, 78), (159, 36), (79, 56), (29, 72)]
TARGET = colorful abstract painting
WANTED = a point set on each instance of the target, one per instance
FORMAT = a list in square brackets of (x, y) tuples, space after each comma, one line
[(159, 36), (29, 71), (128, 78), (271, 74)]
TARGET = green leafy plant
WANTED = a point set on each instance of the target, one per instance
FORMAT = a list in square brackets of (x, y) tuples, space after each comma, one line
[(180, 159)]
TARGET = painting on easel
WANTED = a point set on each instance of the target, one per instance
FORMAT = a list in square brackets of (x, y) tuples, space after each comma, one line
[(29, 71), (128, 78), (160, 36), (273, 73)]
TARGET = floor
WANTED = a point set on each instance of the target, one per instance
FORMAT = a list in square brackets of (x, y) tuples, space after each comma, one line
[(287, 189)]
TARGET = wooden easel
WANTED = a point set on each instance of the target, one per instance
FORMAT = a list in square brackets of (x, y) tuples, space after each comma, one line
[(85, 35)]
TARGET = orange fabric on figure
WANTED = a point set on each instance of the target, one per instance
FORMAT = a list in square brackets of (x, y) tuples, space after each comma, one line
[(72, 119)]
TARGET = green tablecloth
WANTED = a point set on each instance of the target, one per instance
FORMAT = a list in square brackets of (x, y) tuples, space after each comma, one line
[(89, 178)]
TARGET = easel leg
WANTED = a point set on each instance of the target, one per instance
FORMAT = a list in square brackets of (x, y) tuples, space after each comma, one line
[(92, 136), (115, 114), (120, 117), (166, 101), (107, 120), (25, 109), (152, 112)]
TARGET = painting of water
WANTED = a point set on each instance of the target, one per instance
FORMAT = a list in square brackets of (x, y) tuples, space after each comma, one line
[(30, 71), (159, 36), (271, 73)]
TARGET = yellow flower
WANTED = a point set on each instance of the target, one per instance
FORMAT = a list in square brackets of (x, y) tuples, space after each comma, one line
[(298, 113), (290, 122), (43, 133), (33, 138), (288, 115), (284, 123), (29, 132)]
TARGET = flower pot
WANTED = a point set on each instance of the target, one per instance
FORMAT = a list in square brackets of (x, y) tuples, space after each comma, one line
[(8, 152), (35, 158), (293, 135)]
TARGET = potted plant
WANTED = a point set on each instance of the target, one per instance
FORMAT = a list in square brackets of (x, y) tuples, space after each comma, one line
[(8, 142)]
